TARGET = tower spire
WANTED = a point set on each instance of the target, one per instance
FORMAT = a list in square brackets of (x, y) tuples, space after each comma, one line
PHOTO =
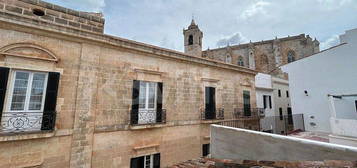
[(193, 20)]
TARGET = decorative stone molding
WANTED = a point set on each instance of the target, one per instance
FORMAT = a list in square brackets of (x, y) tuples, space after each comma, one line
[(148, 75), (210, 80), (145, 147), (151, 72), (29, 51), (35, 135), (246, 82)]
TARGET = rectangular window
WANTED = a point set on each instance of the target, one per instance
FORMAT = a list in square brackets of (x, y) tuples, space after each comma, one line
[(279, 93), (270, 104), (281, 113), (356, 105), (205, 150), (210, 103), (246, 103), (290, 116), (147, 102), (28, 91), (148, 161), (287, 93), (265, 101), (26, 97), (146, 105)]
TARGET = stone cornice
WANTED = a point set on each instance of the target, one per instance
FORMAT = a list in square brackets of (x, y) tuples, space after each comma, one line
[(30, 25)]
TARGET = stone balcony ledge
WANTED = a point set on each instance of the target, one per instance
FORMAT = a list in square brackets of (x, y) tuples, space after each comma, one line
[(4, 137)]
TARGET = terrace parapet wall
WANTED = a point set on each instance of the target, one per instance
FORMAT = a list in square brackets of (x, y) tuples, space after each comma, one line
[(46, 12)]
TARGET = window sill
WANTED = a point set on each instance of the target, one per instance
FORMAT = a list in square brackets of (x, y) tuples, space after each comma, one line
[(4, 137), (147, 126), (209, 121)]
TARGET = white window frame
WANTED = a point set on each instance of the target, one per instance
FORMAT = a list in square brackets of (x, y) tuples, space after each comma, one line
[(151, 161), (28, 92), (147, 95)]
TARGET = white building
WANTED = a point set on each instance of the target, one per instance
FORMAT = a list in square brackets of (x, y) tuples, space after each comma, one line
[(322, 87), (273, 95)]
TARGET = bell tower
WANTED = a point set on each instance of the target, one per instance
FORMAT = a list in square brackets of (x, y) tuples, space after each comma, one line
[(193, 40)]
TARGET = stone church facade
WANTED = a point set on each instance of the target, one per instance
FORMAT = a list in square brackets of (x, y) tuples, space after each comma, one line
[(264, 56), (71, 96)]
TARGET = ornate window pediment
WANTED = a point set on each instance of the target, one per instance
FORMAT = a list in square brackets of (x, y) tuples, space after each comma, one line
[(29, 51)]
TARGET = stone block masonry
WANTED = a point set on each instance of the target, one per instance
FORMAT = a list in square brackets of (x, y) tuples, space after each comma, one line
[(54, 14), (94, 99)]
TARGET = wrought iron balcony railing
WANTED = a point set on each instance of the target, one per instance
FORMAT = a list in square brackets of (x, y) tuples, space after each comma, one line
[(248, 113), (218, 114), (18, 122), (145, 116)]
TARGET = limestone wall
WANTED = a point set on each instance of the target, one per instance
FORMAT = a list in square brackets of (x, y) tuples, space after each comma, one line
[(97, 73)]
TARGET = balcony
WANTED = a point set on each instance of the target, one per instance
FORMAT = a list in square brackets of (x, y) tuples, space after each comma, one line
[(218, 114), (22, 122), (255, 113), (148, 117)]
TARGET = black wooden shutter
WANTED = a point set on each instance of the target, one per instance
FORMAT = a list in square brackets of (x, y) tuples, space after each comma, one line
[(270, 102), (157, 160), (213, 102), (4, 75), (49, 111), (246, 102), (265, 101), (159, 115), (137, 162), (205, 150), (210, 96), (134, 115), (207, 99)]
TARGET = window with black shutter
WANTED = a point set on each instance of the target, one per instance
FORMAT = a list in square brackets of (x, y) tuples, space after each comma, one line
[(147, 103), (135, 102), (49, 111), (205, 150), (32, 99), (265, 101), (270, 103), (290, 116), (279, 93), (246, 103), (210, 103), (148, 161), (159, 113), (281, 113), (4, 74)]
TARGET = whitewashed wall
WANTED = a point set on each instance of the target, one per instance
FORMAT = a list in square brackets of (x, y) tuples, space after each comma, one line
[(330, 72)]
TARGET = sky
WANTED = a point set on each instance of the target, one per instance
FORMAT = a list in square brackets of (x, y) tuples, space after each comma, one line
[(223, 22)]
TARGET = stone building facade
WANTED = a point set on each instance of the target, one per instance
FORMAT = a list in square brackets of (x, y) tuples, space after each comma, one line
[(71, 96), (264, 56)]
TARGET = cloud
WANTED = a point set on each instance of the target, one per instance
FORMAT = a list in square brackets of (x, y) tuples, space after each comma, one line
[(330, 42), (83, 5), (334, 4), (160, 22), (254, 9), (96, 5), (236, 38)]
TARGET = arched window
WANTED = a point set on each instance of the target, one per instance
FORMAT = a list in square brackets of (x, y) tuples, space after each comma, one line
[(240, 61), (291, 56), (190, 40), (228, 59)]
